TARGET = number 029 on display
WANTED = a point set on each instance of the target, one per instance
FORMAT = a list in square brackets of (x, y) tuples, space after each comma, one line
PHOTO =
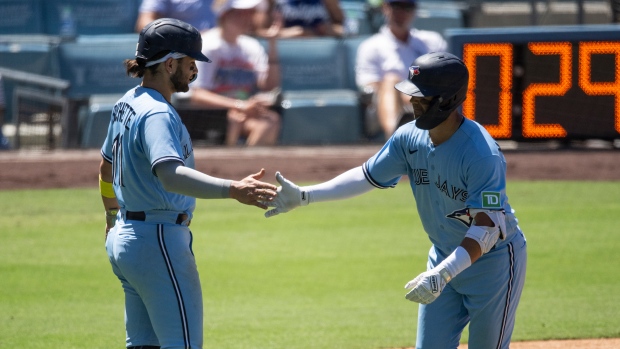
[(552, 89)]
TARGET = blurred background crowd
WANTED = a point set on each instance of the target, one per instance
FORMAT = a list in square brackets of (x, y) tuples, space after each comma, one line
[(284, 72)]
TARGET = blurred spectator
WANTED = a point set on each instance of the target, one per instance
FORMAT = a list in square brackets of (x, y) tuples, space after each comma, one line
[(383, 60), (4, 143), (301, 18), (241, 75), (195, 12)]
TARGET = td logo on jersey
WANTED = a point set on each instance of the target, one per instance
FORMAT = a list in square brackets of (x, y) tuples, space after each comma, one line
[(491, 199)]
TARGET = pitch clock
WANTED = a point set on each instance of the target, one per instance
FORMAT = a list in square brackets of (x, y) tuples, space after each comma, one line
[(542, 83)]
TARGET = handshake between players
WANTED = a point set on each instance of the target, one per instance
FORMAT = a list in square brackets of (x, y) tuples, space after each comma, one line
[(289, 196)]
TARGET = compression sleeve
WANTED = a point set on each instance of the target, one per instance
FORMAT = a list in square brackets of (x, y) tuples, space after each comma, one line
[(180, 179), (349, 184)]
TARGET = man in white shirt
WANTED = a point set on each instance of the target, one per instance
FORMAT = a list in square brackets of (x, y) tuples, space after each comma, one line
[(383, 59), (240, 76)]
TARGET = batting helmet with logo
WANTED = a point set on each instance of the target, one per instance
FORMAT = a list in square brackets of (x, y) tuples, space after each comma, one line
[(440, 75), (169, 34)]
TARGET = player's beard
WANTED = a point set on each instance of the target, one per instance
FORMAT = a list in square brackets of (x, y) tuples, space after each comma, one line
[(418, 110), (180, 83)]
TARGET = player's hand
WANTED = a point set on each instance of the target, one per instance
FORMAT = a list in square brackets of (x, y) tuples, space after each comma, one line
[(289, 197), (426, 287), (110, 220), (251, 191), (107, 231)]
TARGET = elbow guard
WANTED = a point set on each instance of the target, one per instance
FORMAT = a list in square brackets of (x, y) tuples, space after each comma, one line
[(487, 236)]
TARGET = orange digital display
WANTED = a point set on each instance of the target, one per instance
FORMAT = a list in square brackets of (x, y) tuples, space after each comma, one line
[(544, 90), (503, 129), (586, 50)]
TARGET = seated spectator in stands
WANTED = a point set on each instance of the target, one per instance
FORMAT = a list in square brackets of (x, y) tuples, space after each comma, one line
[(240, 75), (301, 18), (383, 60), (195, 12)]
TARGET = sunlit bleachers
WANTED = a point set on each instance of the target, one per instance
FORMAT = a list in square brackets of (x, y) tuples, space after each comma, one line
[(89, 17), (318, 107), (95, 65), (84, 43), (21, 17)]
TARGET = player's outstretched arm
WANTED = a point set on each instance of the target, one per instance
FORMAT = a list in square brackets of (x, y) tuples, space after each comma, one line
[(180, 179), (346, 185)]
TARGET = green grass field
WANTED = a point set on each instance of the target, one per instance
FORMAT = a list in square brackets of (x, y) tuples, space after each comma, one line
[(329, 275)]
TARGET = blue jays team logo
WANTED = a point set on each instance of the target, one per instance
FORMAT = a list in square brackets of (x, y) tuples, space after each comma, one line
[(462, 216), (414, 70)]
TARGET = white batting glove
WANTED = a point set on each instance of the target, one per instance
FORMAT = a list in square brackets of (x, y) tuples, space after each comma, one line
[(426, 287), (289, 197)]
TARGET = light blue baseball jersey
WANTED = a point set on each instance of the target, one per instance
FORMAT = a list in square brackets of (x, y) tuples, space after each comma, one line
[(466, 171), (144, 131), (152, 258)]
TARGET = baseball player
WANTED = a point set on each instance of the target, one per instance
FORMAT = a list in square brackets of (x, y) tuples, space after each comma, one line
[(149, 189), (457, 172)]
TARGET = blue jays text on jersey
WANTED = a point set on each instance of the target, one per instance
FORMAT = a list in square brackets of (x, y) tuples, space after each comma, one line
[(453, 193)]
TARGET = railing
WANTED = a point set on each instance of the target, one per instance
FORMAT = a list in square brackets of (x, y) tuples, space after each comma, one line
[(40, 111)]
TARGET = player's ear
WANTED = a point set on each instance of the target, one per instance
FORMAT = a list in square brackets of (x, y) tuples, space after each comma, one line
[(169, 64)]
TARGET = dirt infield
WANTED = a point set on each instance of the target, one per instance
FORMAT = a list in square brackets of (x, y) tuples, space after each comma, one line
[(79, 168), (610, 343)]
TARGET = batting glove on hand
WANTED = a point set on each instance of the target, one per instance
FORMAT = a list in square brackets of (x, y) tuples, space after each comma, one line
[(426, 287), (289, 197)]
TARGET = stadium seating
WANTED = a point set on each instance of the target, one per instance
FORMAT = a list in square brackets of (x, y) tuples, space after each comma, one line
[(28, 53), (85, 42), (68, 17), (318, 79), (90, 17), (311, 64), (317, 105), (94, 65), (439, 17), (94, 120), (21, 17), (350, 51), (320, 103), (358, 18), (499, 13), (431, 15), (321, 117)]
